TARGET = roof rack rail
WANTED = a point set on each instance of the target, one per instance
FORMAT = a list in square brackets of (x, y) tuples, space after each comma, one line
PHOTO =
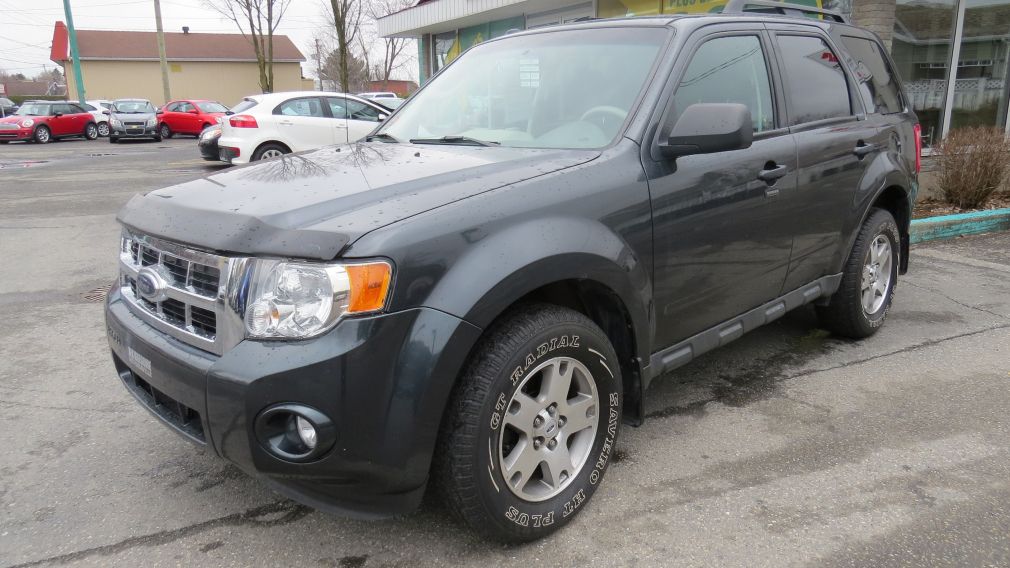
[(783, 8)]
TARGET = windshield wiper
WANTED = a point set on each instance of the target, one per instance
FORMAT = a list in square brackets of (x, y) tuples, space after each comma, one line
[(455, 139), (382, 136)]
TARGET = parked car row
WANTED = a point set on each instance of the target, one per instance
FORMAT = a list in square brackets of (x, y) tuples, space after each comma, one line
[(260, 126)]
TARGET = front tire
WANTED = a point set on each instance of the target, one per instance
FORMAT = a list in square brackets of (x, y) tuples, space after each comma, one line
[(860, 305), (165, 131), (43, 135), (532, 424), (103, 129)]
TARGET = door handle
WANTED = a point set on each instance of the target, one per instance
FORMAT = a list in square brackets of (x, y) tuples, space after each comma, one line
[(286, 123), (863, 149), (772, 172)]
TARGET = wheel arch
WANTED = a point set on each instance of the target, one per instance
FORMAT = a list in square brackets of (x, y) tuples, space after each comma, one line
[(894, 196), (575, 263), (267, 143)]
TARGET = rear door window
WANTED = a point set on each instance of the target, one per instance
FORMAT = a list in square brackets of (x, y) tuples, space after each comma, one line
[(877, 84), (729, 69), (301, 107), (814, 80)]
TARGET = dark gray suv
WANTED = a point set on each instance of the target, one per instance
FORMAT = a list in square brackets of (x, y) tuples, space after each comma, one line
[(477, 297)]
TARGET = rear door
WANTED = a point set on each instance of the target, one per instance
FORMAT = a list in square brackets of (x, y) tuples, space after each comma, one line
[(63, 124), (303, 124), (79, 118), (721, 239), (835, 143)]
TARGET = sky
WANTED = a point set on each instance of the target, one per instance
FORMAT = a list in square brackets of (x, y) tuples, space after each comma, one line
[(26, 32)]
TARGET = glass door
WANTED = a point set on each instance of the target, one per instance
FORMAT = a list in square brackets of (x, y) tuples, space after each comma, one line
[(980, 90)]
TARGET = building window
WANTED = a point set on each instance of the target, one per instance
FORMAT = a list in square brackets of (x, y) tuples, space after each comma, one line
[(980, 87), (920, 47), (446, 48)]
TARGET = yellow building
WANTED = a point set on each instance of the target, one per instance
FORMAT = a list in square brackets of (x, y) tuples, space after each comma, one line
[(220, 67)]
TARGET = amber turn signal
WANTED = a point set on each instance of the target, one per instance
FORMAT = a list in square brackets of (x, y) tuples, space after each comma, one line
[(369, 286)]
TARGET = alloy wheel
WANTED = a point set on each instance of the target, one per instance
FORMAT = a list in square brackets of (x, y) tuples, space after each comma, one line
[(549, 428), (876, 279)]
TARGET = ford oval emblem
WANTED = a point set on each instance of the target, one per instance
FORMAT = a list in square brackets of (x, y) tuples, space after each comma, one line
[(151, 284)]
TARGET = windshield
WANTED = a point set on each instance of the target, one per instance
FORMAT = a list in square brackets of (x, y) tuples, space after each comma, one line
[(212, 107), (34, 109), (564, 89), (132, 107)]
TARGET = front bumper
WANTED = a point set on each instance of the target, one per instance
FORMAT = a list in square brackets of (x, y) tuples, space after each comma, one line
[(131, 132), (383, 380), (209, 150), (16, 134)]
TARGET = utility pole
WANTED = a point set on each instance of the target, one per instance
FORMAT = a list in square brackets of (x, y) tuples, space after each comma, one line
[(319, 66), (78, 78), (167, 92)]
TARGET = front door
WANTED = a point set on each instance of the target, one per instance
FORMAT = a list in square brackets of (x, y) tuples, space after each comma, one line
[(721, 238), (361, 119), (338, 118), (836, 142)]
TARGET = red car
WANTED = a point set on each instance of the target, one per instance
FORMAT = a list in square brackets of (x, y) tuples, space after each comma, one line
[(189, 116), (43, 121)]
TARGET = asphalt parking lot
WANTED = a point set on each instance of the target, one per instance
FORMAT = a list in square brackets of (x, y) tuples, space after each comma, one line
[(787, 448)]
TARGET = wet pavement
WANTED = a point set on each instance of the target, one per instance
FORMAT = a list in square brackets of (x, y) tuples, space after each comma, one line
[(786, 448)]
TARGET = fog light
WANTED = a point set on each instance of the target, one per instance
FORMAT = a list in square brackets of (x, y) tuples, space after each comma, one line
[(306, 432), (295, 432)]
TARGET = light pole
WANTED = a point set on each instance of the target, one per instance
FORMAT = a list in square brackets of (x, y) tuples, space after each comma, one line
[(74, 56)]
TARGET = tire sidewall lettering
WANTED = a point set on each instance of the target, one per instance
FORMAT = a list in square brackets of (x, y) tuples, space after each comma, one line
[(532, 515)]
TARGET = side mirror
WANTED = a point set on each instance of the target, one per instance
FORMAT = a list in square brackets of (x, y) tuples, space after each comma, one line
[(706, 128), (106, 111), (382, 117), (57, 114), (194, 111), (159, 111)]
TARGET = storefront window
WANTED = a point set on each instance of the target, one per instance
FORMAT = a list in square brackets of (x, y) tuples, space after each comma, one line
[(446, 48), (921, 51), (980, 91)]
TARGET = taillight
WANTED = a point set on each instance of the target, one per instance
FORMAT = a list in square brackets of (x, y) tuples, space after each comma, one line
[(917, 132), (243, 121)]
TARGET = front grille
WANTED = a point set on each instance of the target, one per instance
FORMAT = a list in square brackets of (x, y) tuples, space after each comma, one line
[(192, 301), (134, 124)]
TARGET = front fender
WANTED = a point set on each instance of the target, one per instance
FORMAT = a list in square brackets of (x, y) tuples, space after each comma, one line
[(503, 267)]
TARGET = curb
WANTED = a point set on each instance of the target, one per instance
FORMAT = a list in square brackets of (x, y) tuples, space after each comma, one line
[(959, 225)]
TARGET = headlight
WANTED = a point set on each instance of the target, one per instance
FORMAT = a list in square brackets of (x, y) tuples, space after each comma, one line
[(301, 299), (115, 122), (153, 121), (27, 123)]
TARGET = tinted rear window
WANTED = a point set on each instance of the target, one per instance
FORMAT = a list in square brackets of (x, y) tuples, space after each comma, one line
[(815, 80), (877, 84)]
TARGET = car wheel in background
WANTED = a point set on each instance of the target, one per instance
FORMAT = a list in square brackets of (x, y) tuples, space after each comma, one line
[(91, 131), (860, 305), (267, 151), (43, 135), (103, 129), (165, 131), (531, 425)]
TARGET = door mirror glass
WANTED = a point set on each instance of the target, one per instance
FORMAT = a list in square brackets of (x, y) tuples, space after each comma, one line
[(382, 117), (706, 128)]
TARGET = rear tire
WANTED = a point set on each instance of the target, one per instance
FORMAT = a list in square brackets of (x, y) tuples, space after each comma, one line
[(103, 129), (531, 424), (268, 151), (860, 305), (91, 131)]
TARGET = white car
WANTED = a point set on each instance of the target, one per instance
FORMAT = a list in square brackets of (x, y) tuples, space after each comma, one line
[(98, 109), (270, 125)]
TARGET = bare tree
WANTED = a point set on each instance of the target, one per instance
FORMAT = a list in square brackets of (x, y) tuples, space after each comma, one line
[(257, 20), (345, 15), (393, 48)]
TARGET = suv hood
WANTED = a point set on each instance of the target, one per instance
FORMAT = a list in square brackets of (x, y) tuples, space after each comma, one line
[(313, 204)]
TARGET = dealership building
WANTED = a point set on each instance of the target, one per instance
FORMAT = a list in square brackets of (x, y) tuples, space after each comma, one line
[(951, 54)]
